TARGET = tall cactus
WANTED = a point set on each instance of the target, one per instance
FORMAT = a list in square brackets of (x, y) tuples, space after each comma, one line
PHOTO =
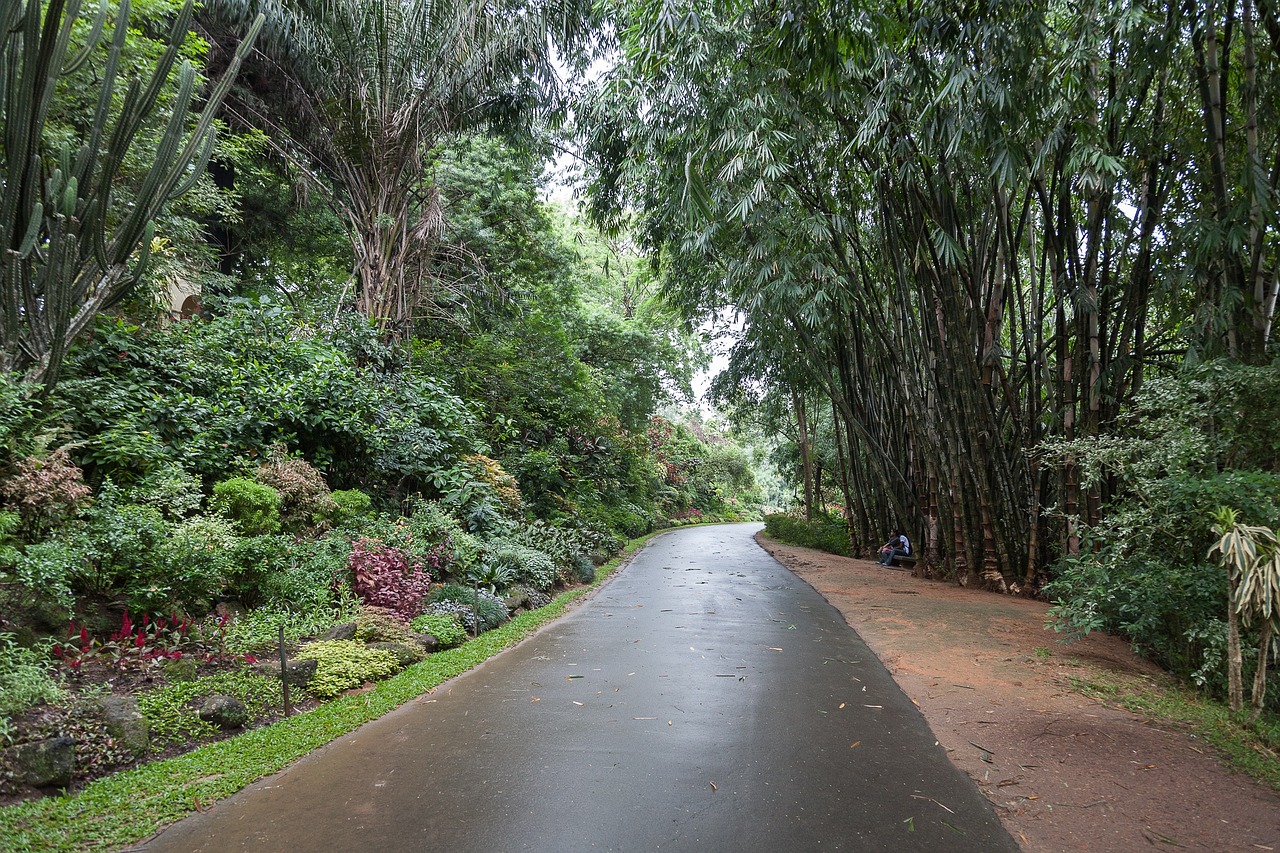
[(67, 255)]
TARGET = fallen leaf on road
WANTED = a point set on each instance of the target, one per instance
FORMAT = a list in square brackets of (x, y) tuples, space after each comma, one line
[(774, 649), (842, 705), (535, 699), (576, 702), (873, 706), (713, 787), (932, 801), (855, 743)]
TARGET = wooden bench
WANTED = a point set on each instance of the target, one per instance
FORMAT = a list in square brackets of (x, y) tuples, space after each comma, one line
[(906, 562)]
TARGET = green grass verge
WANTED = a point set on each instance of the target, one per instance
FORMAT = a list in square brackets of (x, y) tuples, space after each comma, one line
[(125, 808), (1248, 748)]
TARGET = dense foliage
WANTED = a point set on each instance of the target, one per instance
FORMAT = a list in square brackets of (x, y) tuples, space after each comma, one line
[(963, 244), (335, 393)]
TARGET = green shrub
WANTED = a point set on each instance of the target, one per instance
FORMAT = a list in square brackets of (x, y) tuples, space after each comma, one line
[(257, 631), (46, 571), (492, 610), (491, 575), (826, 532), (1198, 440), (628, 519), (345, 664), (254, 507), (115, 553), (173, 491), (219, 392), (564, 544), (10, 522), (526, 565), (584, 571), (25, 678), (376, 625), (199, 560), (349, 506), (445, 627), (302, 574)]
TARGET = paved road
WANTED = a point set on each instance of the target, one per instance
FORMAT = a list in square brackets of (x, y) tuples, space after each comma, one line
[(704, 699)]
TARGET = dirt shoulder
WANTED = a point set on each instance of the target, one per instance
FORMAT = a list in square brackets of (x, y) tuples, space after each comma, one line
[(1064, 771)]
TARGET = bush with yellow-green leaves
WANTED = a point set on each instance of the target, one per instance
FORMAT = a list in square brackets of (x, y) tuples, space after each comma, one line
[(345, 664)]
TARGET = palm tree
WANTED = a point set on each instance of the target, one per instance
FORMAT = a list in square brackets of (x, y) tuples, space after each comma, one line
[(1251, 556), (356, 93)]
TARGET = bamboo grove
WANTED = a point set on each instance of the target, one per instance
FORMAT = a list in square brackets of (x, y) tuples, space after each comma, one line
[(960, 236)]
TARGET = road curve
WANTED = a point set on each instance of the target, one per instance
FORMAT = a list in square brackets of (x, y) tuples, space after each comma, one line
[(704, 699)]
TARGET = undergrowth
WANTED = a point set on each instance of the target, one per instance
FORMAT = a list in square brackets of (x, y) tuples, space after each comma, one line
[(120, 810)]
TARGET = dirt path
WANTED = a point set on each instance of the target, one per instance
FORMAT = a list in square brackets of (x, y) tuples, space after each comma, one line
[(1065, 772)]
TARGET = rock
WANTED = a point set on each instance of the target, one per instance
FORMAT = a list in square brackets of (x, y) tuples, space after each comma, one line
[(43, 763), (298, 673), (266, 668), (225, 712), (345, 631), (517, 601), (405, 655), (182, 669), (124, 722), (427, 642), (229, 610)]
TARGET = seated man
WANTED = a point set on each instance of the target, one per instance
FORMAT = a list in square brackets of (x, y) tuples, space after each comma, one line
[(897, 546)]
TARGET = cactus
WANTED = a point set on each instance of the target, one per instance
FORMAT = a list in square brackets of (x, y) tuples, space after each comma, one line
[(65, 260)]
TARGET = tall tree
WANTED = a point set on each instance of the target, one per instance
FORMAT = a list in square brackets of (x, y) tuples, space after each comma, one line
[(357, 93), (982, 227)]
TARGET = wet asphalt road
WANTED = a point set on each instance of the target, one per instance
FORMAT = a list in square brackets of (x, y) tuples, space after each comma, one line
[(704, 699)]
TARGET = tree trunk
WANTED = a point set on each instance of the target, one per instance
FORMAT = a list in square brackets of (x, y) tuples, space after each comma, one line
[(805, 463), (1260, 674), (1235, 688)]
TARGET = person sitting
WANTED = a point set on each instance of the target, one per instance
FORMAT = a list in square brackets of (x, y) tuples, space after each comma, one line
[(897, 546)]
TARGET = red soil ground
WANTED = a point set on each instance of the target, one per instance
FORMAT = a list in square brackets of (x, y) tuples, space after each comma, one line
[(1064, 771)]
